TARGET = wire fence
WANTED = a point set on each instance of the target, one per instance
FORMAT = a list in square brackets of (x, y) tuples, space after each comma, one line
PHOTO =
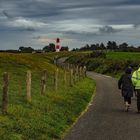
[(30, 83)]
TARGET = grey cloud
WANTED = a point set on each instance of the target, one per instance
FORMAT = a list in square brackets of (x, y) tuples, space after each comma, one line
[(6, 14), (34, 8), (59, 10), (25, 29), (36, 37), (136, 26), (83, 35), (130, 2), (22, 24), (29, 29), (108, 30), (105, 12)]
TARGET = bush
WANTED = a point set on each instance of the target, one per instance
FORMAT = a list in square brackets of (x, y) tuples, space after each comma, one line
[(93, 64), (96, 54)]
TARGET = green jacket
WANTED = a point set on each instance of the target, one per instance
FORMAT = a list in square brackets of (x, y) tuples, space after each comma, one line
[(136, 79)]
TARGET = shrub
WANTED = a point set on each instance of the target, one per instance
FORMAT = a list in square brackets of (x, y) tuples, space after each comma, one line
[(96, 54)]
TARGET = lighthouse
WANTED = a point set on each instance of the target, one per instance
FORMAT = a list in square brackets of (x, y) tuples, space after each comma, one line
[(57, 47)]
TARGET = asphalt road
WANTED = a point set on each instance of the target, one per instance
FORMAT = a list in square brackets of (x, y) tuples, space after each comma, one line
[(106, 118)]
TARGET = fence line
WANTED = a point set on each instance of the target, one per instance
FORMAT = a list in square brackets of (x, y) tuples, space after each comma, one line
[(72, 74)]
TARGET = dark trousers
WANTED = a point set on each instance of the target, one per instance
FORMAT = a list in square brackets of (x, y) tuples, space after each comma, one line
[(138, 99), (127, 99)]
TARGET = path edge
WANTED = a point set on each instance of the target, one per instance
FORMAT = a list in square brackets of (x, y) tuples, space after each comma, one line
[(81, 114)]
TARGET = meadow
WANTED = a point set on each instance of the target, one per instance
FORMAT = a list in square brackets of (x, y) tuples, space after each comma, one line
[(110, 63), (46, 117), (123, 55)]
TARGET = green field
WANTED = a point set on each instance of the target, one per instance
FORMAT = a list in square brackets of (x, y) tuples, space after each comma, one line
[(110, 63), (46, 117), (123, 55)]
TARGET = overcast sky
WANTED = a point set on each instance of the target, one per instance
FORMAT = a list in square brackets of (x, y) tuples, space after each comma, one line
[(36, 23)]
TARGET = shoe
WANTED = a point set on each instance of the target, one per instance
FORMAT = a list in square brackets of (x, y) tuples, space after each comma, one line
[(127, 108)]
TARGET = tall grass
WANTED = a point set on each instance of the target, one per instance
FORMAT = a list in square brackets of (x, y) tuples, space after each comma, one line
[(46, 117)]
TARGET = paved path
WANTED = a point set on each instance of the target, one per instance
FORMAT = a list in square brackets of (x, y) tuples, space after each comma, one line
[(106, 118)]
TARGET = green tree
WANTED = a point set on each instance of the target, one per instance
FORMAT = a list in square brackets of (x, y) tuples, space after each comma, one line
[(49, 48), (123, 46), (26, 49), (102, 46), (93, 47), (64, 48), (112, 45)]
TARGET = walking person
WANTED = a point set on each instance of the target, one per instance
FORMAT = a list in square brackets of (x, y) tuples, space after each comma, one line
[(126, 86), (136, 83)]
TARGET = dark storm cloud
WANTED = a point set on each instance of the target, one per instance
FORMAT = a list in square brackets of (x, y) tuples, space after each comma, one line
[(108, 30), (10, 17), (79, 20), (79, 35), (29, 29), (21, 23), (73, 34), (5, 13), (61, 9), (130, 2)]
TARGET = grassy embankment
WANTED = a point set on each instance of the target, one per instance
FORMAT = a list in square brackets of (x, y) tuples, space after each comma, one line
[(46, 117), (111, 63)]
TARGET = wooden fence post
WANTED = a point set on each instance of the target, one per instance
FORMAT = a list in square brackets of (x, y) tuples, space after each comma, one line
[(43, 82), (56, 79), (5, 92), (68, 66), (28, 86), (74, 74), (85, 70), (71, 77), (65, 76), (77, 73), (80, 72)]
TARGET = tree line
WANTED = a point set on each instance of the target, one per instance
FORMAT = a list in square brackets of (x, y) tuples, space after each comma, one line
[(47, 48), (111, 45)]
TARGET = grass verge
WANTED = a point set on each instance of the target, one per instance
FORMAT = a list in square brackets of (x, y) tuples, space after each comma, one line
[(46, 117)]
